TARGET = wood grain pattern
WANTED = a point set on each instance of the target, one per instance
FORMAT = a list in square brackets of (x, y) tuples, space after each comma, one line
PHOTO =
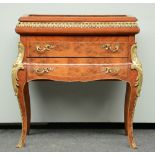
[(77, 57), (77, 69), (65, 48)]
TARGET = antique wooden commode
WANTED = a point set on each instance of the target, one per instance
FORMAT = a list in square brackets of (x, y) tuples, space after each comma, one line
[(77, 48)]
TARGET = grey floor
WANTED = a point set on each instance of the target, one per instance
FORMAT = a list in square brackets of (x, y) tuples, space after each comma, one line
[(77, 140)]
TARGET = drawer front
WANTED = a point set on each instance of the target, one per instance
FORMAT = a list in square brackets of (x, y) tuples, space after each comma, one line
[(76, 69), (78, 48)]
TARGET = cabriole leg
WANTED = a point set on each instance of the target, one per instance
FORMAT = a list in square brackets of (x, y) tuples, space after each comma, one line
[(22, 106), (19, 82), (28, 107), (130, 108), (126, 107)]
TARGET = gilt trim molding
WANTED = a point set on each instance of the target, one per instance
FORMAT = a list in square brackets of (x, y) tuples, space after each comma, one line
[(77, 24), (136, 65), (18, 65)]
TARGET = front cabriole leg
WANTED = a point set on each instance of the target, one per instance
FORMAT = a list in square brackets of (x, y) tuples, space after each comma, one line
[(19, 81), (134, 89)]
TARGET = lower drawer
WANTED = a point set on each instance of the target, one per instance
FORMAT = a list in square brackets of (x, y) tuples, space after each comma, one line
[(76, 69)]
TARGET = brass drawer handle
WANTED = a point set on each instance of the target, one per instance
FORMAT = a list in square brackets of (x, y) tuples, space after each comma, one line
[(43, 70), (111, 48), (47, 47), (111, 70)]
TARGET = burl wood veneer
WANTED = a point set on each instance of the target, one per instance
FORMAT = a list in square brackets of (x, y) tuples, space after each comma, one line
[(77, 48)]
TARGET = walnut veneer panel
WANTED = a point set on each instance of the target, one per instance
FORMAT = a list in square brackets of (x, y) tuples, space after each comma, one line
[(78, 47), (79, 69)]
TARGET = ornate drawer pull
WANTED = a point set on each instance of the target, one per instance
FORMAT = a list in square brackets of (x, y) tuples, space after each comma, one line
[(44, 49), (111, 70), (113, 48), (43, 70)]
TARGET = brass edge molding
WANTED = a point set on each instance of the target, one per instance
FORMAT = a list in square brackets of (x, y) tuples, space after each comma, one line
[(18, 65), (137, 66), (77, 24)]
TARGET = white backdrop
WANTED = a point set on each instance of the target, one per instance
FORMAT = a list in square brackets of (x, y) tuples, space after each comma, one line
[(77, 102)]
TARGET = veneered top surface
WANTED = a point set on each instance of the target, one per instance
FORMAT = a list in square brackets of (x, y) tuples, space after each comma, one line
[(77, 18)]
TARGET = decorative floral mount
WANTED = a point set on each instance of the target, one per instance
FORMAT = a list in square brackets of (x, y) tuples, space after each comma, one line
[(18, 65), (137, 66)]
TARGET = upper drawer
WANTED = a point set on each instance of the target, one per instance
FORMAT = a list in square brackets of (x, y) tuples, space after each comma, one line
[(77, 49)]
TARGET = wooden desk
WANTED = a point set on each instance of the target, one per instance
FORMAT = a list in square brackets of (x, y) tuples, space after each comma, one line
[(77, 48)]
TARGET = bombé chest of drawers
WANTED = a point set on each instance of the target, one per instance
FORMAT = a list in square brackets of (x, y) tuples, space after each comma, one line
[(77, 48)]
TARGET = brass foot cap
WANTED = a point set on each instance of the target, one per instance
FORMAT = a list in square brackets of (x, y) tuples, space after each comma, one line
[(20, 145), (133, 145)]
